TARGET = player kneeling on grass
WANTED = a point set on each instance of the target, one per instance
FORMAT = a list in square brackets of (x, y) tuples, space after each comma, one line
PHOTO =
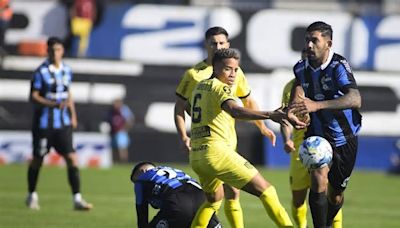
[(176, 194)]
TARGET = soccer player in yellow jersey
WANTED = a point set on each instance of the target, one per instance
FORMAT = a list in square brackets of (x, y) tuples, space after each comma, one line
[(298, 174), (213, 157), (216, 38)]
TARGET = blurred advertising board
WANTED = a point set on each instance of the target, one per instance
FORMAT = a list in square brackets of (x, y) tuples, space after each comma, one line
[(93, 149), (173, 35)]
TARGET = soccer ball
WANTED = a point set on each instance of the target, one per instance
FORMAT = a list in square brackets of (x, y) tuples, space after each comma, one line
[(315, 152)]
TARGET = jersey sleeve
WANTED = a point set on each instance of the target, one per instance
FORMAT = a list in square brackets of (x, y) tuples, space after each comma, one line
[(243, 88), (139, 194), (344, 75), (186, 86), (37, 80), (142, 214)]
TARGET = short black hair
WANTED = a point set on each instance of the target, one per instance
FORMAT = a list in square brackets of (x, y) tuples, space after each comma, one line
[(213, 31), (138, 165), (54, 40), (320, 26), (225, 53)]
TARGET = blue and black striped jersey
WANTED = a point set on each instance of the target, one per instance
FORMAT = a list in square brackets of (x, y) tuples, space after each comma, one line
[(52, 84), (152, 186), (328, 82)]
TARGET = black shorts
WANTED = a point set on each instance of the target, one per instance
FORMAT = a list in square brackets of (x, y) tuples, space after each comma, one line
[(59, 139), (180, 207), (344, 159)]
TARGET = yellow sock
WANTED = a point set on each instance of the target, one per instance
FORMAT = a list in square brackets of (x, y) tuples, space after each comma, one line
[(275, 210), (338, 220), (204, 214), (234, 213), (300, 215)]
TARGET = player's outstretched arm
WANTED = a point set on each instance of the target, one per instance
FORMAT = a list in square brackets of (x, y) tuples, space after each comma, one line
[(237, 112), (286, 131), (292, 112), (250, 102)]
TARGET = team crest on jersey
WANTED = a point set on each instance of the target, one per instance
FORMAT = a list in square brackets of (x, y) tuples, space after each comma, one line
[(227, 89), (346, 65), (162, 224), (326, 81)]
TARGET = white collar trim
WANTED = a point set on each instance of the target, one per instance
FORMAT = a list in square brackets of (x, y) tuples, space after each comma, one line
[(53, 68), (325, 64)]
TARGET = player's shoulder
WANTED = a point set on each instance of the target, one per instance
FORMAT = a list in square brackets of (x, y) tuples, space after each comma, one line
[(300, 65), (220, 86), (338, 57), (200, 66), (339, 60), (196, 70), (43, 67), (208, 81), (67, 68), (289, 85)]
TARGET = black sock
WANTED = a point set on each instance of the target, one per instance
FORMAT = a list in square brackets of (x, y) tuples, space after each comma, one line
[(33, 174), (332, 211), (73, 178), (319, 208)]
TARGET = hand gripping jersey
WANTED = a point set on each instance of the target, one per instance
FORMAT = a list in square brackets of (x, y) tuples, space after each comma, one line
[(326, 83)]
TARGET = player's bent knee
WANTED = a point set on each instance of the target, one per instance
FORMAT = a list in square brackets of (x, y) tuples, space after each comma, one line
[(257, 185), (71, 160), (336, 199), (216, 196), (231, 193), (36, 162)]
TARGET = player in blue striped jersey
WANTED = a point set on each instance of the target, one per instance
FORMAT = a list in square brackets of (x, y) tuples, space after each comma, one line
[(332, 99), (54, 117), (176, 194)]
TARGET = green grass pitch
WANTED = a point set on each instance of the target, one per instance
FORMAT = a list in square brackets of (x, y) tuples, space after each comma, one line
[(372, 199)]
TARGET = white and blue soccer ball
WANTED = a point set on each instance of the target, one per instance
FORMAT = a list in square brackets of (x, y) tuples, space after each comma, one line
[(315, 152)]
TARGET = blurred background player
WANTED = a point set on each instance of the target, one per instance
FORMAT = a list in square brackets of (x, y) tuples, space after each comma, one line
[(54, 117), (213, 154), (332, 98), (121, 120), (216, 38), (6, 14), (83, 15), (176, 194)]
